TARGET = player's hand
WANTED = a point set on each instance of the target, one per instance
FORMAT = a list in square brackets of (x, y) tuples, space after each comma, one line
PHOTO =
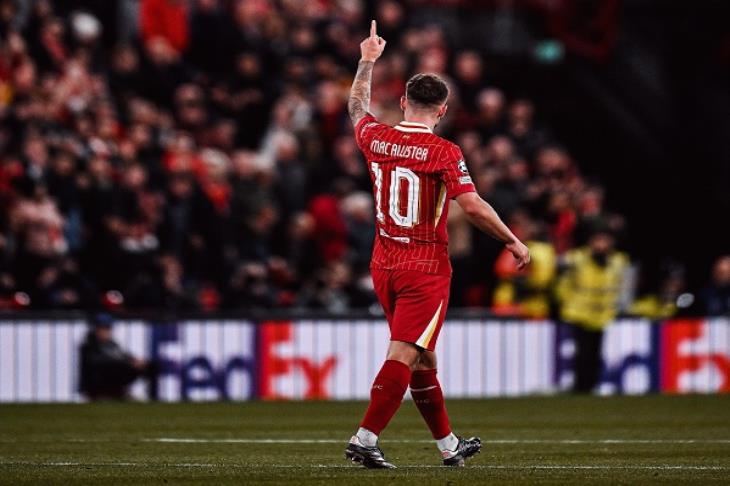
[(372, 47), (520, 252)]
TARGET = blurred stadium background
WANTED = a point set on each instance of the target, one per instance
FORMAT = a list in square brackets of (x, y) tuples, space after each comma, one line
[(188, 168), (166, 160)]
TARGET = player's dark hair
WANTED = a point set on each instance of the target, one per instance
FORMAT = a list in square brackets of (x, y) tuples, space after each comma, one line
[(427, 90)]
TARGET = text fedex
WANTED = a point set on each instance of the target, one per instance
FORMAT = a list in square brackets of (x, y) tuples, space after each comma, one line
[(235, 361)]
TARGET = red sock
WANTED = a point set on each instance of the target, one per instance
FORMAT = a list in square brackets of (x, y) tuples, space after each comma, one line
[(386, 395), (427, 395)]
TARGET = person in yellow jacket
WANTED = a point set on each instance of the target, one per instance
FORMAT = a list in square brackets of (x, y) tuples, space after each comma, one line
[(665, 302), (526, 292), (589, 292)]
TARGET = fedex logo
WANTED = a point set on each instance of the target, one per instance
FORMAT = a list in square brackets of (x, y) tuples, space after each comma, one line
[(277, 360), (630, 358), (677, 356), (695, 356), (282, 367), (236, 360)]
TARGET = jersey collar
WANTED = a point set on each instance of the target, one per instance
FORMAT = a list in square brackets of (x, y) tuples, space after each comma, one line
[(412, 127)]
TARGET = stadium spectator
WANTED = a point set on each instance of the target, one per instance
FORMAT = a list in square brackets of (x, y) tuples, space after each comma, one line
[(715, 298), (489, 113), (165, 22), (589, 292), (38, 225), (526, 293), (218, 140), (329, 225), (469, 76), (357, 209), (106, 369), (63, 286), (521, 126), (669, 300)]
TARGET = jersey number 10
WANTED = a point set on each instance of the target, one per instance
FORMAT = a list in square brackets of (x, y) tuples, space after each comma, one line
[(398, 177)]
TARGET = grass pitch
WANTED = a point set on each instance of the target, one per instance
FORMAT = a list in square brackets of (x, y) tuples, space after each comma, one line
[(550, 440)]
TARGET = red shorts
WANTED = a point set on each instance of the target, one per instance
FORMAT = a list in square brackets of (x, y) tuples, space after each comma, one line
[(414, 303)]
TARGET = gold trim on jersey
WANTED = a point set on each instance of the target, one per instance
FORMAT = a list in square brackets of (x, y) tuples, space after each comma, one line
[(425, 338)]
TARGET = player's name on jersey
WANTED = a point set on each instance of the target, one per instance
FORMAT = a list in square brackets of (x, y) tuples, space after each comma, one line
[(400, 151)]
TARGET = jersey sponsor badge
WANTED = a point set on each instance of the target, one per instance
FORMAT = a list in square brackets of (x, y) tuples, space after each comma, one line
[(465, 180)]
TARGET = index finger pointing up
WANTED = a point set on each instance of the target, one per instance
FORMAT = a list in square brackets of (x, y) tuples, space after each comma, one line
[(373, 29)]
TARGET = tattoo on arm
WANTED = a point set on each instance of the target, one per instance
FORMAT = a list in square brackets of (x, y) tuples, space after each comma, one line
[(359, 102)]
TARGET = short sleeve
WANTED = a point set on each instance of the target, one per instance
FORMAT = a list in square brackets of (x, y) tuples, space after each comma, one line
[(364, 131), (455, 174)]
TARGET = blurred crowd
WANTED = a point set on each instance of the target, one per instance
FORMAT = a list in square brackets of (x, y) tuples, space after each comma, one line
[(207, 160)]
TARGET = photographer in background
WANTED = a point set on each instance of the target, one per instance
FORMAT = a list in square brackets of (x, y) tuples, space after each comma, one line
[(106, 369)]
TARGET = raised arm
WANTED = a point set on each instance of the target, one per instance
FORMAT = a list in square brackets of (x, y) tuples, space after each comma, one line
[(484, 217), (370, 50)]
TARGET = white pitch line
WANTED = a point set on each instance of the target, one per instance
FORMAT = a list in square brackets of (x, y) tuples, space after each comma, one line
[(188, 440), (660, 467), (114, 464), (172, 440)]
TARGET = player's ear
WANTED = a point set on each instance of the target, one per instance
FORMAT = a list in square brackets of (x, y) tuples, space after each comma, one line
[(403, 103), (443, 110)]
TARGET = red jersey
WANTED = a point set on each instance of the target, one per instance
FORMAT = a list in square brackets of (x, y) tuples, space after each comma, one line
[(414, 174)]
